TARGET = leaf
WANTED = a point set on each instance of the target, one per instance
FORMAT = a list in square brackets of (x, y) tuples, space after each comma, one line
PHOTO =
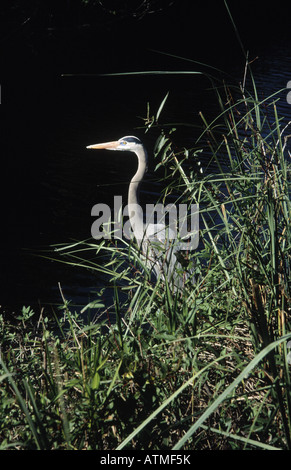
[(95, 382), (161, 106), (247, 370)]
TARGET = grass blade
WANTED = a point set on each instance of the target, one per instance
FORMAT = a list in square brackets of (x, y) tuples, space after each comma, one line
[(229, 389)]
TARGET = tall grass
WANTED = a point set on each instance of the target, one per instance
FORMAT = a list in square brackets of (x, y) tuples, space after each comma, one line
[(202, 367)]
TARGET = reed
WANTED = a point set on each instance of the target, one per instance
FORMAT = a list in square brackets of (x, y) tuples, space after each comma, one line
[(205, 366)]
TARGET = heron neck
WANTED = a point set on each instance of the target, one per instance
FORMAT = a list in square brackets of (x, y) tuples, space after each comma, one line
[(133, 191), (134, 210)]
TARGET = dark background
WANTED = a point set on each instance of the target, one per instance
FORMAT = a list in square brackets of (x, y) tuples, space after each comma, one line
[(48, 181)]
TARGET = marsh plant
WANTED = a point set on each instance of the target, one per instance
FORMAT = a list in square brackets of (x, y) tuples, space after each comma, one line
[(204, 366)]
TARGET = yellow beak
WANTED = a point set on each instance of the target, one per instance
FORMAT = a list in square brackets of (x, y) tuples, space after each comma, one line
[(106, 145)]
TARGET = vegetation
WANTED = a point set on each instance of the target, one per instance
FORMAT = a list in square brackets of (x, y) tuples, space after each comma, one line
[(203, 367)]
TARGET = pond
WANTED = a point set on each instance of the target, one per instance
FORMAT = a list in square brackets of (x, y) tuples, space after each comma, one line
[(54, 181)]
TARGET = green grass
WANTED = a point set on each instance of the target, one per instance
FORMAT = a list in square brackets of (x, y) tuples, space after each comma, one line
[(203, 367)]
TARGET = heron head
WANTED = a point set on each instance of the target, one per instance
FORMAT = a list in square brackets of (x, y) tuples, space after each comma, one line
[(129, 142)]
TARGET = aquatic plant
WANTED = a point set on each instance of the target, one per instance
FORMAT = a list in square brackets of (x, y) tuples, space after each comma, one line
[(205, 366)]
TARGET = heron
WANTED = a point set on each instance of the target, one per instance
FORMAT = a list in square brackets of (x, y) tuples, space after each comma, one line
[(148, 236)]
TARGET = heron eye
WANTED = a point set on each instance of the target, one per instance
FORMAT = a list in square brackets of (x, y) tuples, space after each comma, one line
[(123, 142)]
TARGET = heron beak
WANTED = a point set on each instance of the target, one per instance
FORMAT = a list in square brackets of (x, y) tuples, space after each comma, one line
[(105, 145)]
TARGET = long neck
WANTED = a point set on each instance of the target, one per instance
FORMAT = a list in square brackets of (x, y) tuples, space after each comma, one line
[(133, 191), (134, 210)]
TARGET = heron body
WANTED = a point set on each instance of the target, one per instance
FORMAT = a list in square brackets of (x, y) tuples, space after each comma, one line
[(150, 237)]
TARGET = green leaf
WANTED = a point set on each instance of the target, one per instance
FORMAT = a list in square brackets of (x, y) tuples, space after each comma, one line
[(95, 382), (161, 106), (247, 370)]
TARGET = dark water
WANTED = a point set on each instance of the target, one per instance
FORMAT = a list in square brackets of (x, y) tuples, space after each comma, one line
[(50, 181)]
